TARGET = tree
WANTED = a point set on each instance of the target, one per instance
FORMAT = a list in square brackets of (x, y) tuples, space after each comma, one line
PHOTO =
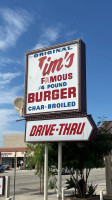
[(87, 155), (35, 157)]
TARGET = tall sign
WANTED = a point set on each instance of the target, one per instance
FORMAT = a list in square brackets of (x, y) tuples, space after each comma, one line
[(55, 80), (55, 86), (55, 83)]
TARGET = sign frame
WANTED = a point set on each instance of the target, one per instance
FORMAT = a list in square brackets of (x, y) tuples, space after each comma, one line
[(3, 185), (81, 79), (89, 118)]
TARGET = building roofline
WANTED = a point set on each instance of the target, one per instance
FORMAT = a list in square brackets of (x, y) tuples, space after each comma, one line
[(17, 149)]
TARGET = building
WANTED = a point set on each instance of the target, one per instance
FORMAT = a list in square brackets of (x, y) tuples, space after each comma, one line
[(11, 144)]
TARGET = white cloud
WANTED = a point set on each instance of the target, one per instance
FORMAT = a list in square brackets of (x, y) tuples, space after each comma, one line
[(50, 34), (6, 78), (15, 23), (6, 61), (71, 33), (7, 96), (41, 44), (7, 117)]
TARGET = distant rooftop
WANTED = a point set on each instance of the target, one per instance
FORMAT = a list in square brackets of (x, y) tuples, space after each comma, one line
[(19, 149), (108, 126), (14, 141)]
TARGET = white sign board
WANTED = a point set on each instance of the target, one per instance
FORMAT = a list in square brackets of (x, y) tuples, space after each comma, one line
[(70, 129), (12, 154), (53, 80), (1, 185)]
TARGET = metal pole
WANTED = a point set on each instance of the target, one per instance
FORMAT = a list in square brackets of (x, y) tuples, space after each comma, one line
[(59, 169), (46, 172), (14, 176), (43, 179), (63, 193), (7, 187), (108, 174), (101, 195)]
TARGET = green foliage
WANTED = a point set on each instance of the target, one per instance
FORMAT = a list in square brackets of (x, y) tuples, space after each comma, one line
[(52, 183), (90, 154), (87, 155), (91, 189), (35, 157), (70, 183)]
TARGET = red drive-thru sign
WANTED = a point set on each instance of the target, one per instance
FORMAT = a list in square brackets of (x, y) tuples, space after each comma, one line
[(69, 129), (55, 79)]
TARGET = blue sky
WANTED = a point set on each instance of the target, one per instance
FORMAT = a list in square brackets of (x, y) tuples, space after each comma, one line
[(26, 25)]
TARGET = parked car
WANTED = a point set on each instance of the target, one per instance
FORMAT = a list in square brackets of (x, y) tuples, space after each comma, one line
[(2, 168), (67, 171), (64, 170), (6, 166)]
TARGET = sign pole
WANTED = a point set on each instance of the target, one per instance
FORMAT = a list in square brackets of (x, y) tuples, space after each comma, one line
[(14, 176), (46, 172), (59, 169)]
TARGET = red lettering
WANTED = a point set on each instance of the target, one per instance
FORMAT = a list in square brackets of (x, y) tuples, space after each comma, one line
[(59, 77), (67, 129), (55, 94), (71, 92), (54, 64), (48, 65), (42, 80), (70, 76), (39, 130), (53, 79), (47, 95), (31, 97), (32, 133), (61, 125), (80, 129), (73, 129), (46, 68), (41, 61), (37, 97), (47, 129), (63, 93), (52, 129), (70, 58)]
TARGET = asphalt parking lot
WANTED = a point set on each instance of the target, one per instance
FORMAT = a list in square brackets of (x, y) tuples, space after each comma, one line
[(27, 184)]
